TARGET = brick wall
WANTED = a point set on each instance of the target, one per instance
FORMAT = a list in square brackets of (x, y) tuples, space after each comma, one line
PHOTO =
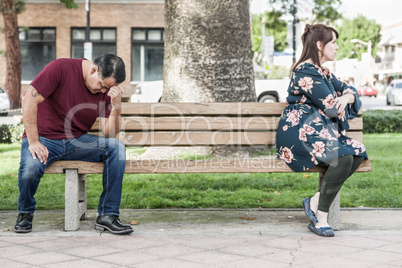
[(122, 16)]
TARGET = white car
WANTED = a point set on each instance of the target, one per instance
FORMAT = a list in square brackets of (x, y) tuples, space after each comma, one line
[(270, 90), (4, 100), (394, 92)]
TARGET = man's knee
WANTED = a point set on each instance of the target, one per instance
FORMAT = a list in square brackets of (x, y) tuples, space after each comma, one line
[(117, 147), (31, 169)]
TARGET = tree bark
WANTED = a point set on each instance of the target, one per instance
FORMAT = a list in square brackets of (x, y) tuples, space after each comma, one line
[(208, 56), (13, 54)]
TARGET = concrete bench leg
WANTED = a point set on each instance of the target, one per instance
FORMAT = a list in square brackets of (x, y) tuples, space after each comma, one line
[(334, 217), (75, 199)]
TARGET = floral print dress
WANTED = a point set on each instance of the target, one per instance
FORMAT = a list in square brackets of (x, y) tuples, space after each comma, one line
[(310, 130)]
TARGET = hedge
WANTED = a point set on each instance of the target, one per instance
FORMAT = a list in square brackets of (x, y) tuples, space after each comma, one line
[(382, 121)]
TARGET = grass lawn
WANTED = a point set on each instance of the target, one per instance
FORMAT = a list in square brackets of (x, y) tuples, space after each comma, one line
[(379, 188)]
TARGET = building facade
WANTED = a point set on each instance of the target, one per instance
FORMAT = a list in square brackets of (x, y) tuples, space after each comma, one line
[(131, 29), (390, 54)]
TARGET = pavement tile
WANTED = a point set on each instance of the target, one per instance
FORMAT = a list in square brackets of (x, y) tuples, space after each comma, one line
[(5, 244), (211, 258), (255, 263), (60, 243), (292, 257), (376, 256), (250, 250), (13, 264), (170, 263), (43, 258), (329, 249), (392, 238), (170, 250), (128, 258), (397, 263), (290, 242), (82, 263), (386, 265), (361, 242), (16, 250), (139, 242), (25, 239), (337, 262), (90, 251), (208, 242), (394, 248)]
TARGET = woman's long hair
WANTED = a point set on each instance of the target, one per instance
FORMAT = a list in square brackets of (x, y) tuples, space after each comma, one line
[(312, 34)]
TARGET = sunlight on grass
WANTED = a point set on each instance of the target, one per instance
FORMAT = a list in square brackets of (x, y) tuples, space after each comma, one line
[(379, 188)]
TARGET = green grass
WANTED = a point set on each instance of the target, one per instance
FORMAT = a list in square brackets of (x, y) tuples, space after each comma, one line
[(379, 188)]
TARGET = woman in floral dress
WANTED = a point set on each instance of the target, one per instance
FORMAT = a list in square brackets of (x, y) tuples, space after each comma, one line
[(312, 128)]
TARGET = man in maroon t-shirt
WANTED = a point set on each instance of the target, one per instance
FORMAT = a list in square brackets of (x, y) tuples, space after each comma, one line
[(59, 108)]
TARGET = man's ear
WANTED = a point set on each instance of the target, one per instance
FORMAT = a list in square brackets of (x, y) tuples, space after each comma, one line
[(319, 45), (94, 69)]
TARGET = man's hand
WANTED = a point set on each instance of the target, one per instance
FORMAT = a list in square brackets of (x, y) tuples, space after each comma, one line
[(39, 150), (115, 97)]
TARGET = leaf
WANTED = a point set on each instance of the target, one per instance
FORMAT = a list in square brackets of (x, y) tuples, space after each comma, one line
[(267, 200), (248, 218), (277, 193)]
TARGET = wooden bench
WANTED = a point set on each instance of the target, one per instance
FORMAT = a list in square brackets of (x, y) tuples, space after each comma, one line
[(235, 125)]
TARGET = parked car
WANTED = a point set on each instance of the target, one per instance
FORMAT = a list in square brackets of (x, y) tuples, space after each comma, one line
[(394, 92), (4, 100), (270, 90), (367, 91)]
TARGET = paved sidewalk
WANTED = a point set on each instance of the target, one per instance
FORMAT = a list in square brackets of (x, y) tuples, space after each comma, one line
[(206, 238)]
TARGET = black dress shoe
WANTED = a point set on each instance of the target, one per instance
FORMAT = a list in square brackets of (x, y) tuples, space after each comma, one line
[(112, 224), (24, 223)]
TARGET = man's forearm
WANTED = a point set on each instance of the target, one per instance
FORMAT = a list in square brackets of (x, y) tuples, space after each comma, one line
[(30, 119), (113, 123)]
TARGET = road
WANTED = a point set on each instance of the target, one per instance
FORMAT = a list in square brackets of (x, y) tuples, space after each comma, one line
[(379, 103)]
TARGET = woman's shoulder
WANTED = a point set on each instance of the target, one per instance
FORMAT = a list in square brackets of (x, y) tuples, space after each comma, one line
[(309, 69)]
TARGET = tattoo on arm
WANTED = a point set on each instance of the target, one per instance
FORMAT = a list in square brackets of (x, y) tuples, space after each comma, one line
[(34, 93)]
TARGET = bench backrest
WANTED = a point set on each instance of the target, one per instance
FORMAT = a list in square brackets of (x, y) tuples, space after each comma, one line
[(205, 124)]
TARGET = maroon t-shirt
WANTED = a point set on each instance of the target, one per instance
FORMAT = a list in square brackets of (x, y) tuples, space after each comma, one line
[(69, 109)]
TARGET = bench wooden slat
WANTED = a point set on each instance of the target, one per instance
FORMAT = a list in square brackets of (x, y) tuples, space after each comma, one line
[(207, 123), (194, 138), (213, 108), (216, 108), (250, 165)]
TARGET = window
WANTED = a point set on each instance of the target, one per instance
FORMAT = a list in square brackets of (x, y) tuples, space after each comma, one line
[(38, 48), (103, 41), (147, 54)]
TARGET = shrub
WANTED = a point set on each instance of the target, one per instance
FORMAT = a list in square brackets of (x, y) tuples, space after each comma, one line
[(381, 121), (5, 133), (16, 133), (11, 133)]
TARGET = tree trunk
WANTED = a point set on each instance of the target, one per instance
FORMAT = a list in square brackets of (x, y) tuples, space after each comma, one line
[(13, 54), (208, 55)]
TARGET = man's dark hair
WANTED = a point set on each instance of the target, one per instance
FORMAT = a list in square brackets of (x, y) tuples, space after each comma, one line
[(111, 66)]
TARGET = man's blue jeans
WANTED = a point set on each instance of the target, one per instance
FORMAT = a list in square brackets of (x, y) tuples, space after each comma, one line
[(91, 148)]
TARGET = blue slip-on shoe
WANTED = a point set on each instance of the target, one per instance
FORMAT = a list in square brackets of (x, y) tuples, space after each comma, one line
[(309, 213), (323, 231)]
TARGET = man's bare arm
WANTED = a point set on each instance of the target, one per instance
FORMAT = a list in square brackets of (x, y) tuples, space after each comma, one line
[(30, 103), (111, 125)]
